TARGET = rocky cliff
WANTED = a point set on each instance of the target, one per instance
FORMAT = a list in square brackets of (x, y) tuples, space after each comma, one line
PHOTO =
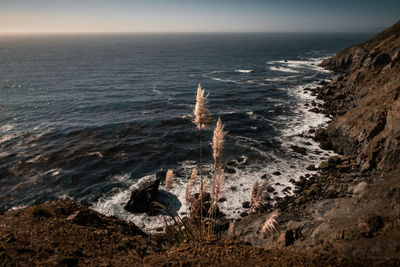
[(364, 100)]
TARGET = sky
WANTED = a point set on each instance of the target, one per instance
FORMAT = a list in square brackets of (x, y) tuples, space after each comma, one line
[(79, 16)]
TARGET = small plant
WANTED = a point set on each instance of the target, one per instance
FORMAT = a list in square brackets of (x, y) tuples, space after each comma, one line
[(202, 118), (4, 259), (169, 180), (34, 211), (231, 231), (269, 225), (259, 195), (202, 208)]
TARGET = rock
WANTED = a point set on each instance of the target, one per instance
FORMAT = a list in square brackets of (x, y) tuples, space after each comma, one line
[(229, 170), (313, 190), (381, 60), (298, 149), (334, 160), (234, 188), (311, 131), (324, 166), (360, 188), (244, 214), (344, 167), (369, 224), (316, 110), (277, 173), (143, 194), (286, 238), (207, 201), (311, 167), (222, 199), (246, 204)]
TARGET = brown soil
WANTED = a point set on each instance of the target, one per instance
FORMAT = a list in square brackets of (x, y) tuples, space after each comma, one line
[(63, 233)]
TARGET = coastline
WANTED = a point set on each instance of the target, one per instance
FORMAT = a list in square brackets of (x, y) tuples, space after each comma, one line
[(348, 213)]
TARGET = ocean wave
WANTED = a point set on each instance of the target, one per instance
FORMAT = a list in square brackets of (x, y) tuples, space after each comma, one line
[(244, 71), (6, 128), (280, 79), (283, 69), (225, 80)]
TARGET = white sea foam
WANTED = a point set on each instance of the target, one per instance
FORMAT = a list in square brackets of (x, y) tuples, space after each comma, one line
[(283, 69), (6, 128), (237, 188), (244, 71), (225, 80), (280, 79)]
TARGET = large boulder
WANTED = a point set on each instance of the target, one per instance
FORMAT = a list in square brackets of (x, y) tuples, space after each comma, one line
[(143, 194)]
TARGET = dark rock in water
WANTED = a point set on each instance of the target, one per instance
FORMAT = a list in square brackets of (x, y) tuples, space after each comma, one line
[(265, 176), (233, 188), (246, 204), (316, 110), (311, 167), (298, 149), (277, 173), (229, 170), (311, 131), (143, 194), (369, 224), (244, 214), (270, 189), (222, 199)]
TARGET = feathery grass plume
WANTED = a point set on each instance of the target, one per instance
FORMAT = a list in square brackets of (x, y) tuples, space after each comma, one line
[(269, 225), (189, 187), (217, 146), (169, 179), (219, 178), (202, 114), (259, 194), (202, 118), (231, 230), (218, 142), (206, 186)]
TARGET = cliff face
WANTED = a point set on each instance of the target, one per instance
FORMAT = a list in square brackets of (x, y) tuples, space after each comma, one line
[(364, 100)]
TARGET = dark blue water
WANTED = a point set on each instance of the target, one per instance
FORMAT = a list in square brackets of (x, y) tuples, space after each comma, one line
[(78, 111)]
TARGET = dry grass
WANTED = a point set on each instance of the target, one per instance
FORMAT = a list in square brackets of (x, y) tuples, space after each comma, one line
[(269, 225), (169, 180), (217, 146), (202, 114), (259, 194)]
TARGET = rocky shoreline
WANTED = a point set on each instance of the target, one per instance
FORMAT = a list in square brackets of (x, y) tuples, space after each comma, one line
[(347, 214)]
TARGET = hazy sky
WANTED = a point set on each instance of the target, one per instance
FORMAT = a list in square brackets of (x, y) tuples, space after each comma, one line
[(196, 15)]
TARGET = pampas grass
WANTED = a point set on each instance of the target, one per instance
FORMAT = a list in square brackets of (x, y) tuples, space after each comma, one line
[(269, 225), (259, 195), (169, 180), (218, 142), (189, 187), (217, 146), (231, 230), (202, 118), (201, 113)]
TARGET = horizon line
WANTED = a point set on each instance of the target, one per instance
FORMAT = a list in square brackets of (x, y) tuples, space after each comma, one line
[(4, 33)]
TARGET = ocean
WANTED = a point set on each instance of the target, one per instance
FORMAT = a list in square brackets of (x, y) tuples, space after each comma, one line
[(83, 117)]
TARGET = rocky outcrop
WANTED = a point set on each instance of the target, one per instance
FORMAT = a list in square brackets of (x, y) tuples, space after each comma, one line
[(143, 194), (364, 100)]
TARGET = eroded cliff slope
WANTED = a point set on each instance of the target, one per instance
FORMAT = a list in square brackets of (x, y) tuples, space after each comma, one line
[(364, 100)]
